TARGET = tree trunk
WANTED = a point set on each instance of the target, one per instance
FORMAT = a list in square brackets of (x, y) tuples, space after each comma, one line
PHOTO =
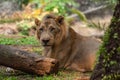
[(108, 65), (27, 62)]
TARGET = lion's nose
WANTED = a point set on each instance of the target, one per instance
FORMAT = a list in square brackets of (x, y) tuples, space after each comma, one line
[(45, 41)]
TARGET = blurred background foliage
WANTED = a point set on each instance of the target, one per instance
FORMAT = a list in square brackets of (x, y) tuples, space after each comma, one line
[(38, 8), (31, 9), (108, 2)]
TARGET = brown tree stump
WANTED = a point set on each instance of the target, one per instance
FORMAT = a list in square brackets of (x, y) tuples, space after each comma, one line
[(27, 62)]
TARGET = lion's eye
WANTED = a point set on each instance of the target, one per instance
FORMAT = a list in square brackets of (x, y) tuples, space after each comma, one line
[(52, 29), (41, 29)]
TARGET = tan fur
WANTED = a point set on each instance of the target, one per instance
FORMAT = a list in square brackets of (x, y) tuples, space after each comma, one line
[(73, 51)]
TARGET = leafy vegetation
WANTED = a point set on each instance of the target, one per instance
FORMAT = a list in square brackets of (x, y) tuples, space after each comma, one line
[(97, 25), (18, 41), (61, 7), (80, 14), (24, 27), (21, 2)]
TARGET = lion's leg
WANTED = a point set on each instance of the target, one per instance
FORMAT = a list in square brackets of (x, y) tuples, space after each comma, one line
[(75, 67), (82, 64), (69, 61)]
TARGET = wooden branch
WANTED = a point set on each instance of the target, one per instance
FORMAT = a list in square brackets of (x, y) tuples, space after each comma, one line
[(27, 62), (88, 11)]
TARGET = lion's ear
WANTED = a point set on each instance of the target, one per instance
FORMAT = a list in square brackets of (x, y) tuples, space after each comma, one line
[(37, 22), (60, 19)]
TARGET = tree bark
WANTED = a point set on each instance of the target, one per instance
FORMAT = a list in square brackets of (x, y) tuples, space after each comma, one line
[(108, 65), (27, 62)]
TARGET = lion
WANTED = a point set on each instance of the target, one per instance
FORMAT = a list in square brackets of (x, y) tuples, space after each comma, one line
[(72, 50)]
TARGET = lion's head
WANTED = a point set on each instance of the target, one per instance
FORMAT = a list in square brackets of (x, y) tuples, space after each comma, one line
[(51, 30)]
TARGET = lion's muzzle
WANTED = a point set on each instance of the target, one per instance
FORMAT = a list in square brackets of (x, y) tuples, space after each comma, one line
[(45, 41)]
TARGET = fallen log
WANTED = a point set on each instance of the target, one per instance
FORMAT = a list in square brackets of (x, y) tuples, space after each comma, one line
[(27, 62)]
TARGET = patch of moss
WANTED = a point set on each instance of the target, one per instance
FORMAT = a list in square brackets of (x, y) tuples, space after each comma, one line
[(115, 35), (118, 49), (111, 77)]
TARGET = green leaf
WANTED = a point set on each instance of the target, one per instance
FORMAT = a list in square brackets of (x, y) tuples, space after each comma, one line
[(80, 14)]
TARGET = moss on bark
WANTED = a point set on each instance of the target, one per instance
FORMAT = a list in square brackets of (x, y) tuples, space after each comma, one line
[(108, 65)]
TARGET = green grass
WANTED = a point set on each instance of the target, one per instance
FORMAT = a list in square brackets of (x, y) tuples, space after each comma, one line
[(18, 41), (61, 75), (2, 21), (8, 78)]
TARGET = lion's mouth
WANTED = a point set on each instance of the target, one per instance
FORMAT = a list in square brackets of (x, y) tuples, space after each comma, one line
[(46, 45)]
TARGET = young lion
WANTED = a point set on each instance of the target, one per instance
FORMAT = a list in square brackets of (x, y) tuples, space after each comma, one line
[(61, 42)]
